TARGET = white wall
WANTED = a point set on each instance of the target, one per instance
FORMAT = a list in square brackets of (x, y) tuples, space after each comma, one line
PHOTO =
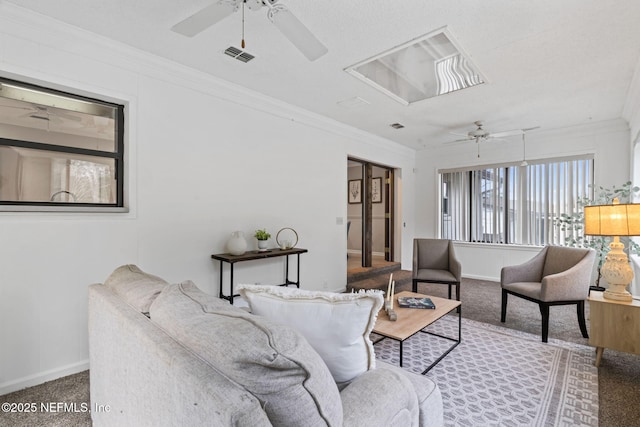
[(631, 111), (608, 141), (204, 159)]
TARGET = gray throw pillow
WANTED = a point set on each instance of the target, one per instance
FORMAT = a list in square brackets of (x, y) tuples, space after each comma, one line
[(271, 360), (135, 287)]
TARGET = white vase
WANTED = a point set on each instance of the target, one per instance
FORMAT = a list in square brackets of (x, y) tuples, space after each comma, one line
[(262, 245), (237, 245)]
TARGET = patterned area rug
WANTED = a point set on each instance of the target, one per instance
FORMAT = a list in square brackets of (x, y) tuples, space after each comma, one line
[(501, 377)]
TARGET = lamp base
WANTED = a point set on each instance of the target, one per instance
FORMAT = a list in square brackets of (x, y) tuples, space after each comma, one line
[(617, 292), (617, 272)]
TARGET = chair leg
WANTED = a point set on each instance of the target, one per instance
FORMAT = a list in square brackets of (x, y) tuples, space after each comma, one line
[(503, 312), (581, 320), (449, 290), (457, 291), (414, 288), (544, 310)]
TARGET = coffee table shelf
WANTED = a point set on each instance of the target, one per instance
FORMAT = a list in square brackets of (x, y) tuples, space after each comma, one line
[(410, 321)]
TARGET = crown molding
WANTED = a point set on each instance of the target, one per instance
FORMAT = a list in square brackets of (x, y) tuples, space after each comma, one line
[(77, 41)]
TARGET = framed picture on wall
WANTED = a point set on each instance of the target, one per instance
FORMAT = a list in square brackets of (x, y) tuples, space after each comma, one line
[(355, 191), (376, 190)]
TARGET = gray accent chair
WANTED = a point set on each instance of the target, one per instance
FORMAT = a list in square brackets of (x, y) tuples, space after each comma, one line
[(434, 261), (558, 275)]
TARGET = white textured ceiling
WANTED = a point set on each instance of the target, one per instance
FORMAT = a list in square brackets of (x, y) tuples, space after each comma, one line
[(548, 63)]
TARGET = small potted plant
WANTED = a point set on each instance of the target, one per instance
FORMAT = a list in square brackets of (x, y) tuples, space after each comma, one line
[(262, 236)]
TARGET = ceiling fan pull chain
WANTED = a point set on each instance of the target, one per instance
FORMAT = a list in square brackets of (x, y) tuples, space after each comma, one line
[(242, 43)]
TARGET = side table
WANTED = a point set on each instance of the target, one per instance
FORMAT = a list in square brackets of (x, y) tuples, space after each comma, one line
[(252, 256), (613, 324)]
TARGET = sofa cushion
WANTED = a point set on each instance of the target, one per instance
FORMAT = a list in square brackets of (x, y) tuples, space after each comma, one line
[(136, 287), (429, 396), (271, 360), (336, 325)]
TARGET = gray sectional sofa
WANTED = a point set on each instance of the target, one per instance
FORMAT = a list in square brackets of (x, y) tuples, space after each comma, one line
[(172, 355)]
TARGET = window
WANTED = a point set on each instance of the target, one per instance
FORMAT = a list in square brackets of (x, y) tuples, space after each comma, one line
[(58, 149), (513, 203)]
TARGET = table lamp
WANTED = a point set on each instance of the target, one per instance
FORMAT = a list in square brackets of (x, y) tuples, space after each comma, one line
[(614, 220)]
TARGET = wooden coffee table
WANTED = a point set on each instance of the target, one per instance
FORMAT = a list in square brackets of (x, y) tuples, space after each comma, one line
[(410, 321)]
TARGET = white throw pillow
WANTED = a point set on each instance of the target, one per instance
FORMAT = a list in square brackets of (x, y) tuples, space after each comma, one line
[(336, 325)]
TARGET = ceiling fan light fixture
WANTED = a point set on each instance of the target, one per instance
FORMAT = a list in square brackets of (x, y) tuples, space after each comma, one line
[(253, 4), (478, 133)]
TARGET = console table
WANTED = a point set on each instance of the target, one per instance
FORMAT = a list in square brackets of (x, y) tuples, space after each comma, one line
[(614, 324), (255, 255)]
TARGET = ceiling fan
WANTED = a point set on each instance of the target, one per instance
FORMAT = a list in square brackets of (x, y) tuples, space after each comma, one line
[(51, 114), (480, 134), (278, 14), (40, 112)]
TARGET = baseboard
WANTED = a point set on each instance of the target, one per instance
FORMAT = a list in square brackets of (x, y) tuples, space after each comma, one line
[(359, 252), (43, 377)]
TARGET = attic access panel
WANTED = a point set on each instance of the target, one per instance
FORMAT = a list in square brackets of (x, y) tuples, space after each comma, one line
[(422, 68)]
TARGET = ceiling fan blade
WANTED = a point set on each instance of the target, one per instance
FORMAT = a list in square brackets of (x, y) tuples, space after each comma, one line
[(67, 116), (459, 140), (512, 132), (203, 19), (506, 133), (15, 108), (530, 129), (43, 117), (458, 134), (59, 112), (296, 32)]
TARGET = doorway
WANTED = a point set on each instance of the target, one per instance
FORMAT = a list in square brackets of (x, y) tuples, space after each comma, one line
[(370, 219)]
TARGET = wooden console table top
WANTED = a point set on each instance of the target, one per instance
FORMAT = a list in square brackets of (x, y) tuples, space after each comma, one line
[(251, 255)]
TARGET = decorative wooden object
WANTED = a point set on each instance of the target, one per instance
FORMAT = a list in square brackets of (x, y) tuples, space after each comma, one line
[(388, 304)]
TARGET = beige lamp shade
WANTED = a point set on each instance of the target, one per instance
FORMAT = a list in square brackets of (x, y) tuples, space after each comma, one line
[(612, 220)]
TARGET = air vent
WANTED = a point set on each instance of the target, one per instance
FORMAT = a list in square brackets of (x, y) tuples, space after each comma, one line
[(238, 54), (397, 125)]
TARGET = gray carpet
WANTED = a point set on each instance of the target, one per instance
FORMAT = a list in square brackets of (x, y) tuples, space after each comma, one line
[(72, 391), (618, 375)]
